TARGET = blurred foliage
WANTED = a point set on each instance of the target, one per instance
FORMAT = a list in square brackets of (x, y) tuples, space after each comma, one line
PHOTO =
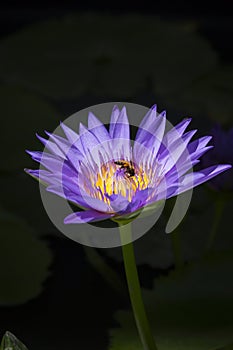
[(191, 309), (24, 261), (209, 95), (20, 195), (10, 342), (106, 55), (23, 115)]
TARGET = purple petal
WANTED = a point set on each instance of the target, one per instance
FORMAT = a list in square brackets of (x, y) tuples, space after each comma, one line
[(41, 175), (71, 135), (171, 156), (198, 144), (197, 178), (91, 146), (83, 200), (121, 137), (179, 170), (146, 124), (53, 163), (47, 160), (151, 127), (66, 194), (86, 216), (52, 147), (164, 193), (63, 144), (176, 132), (118, 203), (97, 128), (72, 153), (140, 199), (121, 129), (149, 139), (113, 120), (172, 135)]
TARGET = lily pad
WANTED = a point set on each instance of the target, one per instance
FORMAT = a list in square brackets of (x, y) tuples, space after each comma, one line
[(105, 55), (10, 342), (23, 115), (24, 261), (189, 310)]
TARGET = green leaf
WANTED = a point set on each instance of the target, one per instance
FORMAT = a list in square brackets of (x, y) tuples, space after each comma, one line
[(191, 310), (23, 115), (77, 54), (10, 342), (24, 261)]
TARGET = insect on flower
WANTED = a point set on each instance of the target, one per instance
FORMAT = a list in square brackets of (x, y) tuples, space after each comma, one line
[(127, 166), (100, 171)]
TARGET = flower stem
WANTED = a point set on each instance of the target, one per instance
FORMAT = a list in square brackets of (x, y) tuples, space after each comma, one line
[(135, 290), (219, 208)]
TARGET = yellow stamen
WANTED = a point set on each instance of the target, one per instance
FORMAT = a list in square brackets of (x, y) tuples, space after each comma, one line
[(115, 178)]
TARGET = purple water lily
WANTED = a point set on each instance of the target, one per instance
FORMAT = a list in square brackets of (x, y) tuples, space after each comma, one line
[(101, 172), (222, 152)]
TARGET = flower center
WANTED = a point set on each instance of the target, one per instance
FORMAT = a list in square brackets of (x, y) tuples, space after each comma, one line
[(120, 177)]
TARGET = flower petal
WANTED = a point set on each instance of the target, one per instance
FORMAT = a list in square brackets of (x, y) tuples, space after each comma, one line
[(176, 132), (97, 128), (51, 146), (197, 178), (171, 155), (149, 137), (118, 203), (86, 216), (121, 137), (71, 135), (113, 120)]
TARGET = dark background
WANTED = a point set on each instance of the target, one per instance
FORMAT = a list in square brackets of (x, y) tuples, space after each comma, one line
[(75, 308)]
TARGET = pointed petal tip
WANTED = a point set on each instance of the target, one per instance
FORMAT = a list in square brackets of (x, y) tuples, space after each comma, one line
[(115, 111), (91, 115), (226, 166), (92, 121), (208, 138), (82, 128), (29, 152), (154, 107), (115, 108), (47, 133), (67, 220), (163, 114), (123, 111)]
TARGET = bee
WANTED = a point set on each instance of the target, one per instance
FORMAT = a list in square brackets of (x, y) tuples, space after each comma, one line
[(129, 170)]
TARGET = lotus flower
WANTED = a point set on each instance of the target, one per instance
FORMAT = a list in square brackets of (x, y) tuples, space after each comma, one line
[(101, 172)]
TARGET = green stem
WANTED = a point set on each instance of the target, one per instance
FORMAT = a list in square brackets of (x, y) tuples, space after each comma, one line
[(135, 290), (176, 247), (219, 208)]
